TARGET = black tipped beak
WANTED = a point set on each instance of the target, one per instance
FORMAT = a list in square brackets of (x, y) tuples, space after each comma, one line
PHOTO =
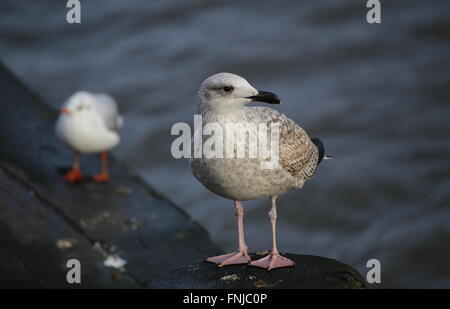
[(265, 96)]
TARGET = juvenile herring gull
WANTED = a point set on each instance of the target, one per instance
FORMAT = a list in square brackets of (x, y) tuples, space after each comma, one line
[(221, 100), (89, 123)]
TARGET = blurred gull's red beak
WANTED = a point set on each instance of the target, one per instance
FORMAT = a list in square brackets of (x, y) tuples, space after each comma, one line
[(64, 111)]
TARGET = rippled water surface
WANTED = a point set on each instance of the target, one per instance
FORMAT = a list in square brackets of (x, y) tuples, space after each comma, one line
[(377, 95)]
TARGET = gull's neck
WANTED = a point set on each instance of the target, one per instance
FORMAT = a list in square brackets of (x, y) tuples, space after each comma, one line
[(220, 112), (85, 117), (222, 116)]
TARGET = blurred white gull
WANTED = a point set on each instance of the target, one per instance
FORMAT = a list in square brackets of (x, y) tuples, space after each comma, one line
[(222, 99), (89, 123)]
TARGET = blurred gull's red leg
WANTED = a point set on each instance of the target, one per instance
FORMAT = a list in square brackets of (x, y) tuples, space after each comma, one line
[(74, 175), (104, 175)]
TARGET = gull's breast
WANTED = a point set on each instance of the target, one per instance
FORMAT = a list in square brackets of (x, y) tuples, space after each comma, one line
[(241, 178)]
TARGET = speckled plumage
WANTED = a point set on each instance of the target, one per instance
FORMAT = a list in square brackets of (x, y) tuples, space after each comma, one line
[(243, 178), (242, 173)]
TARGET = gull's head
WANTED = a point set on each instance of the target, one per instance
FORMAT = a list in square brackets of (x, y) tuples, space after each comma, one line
[(80, 102), (227, 92)]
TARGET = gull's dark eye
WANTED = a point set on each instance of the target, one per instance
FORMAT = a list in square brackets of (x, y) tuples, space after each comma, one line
[(228, 88)]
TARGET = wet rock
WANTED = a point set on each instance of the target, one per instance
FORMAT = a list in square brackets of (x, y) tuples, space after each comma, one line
[(310, 272)]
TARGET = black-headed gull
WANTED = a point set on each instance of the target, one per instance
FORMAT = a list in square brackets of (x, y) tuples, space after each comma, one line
[(89, 123), (221, 100)]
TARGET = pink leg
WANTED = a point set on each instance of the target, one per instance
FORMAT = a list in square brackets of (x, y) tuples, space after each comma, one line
[(241, 256), (274, 259)]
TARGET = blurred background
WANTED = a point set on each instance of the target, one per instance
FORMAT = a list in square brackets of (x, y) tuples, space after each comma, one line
[(376, 94)]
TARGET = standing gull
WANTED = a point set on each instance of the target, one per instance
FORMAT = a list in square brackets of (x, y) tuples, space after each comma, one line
[(221, 100), (89, 123)]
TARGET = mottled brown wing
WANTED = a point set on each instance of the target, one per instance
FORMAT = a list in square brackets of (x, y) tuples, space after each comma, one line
[(298, 154)]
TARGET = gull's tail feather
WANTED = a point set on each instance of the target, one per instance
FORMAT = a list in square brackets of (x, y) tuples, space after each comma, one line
[(321, 148)]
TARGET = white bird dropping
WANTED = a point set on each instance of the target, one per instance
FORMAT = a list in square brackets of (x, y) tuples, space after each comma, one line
[(89, 123)]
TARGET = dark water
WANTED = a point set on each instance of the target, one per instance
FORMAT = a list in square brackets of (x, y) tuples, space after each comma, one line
[(378, 95)]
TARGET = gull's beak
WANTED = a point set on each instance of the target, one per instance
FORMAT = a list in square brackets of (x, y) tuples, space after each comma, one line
[(265, 96), (64, 111)]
